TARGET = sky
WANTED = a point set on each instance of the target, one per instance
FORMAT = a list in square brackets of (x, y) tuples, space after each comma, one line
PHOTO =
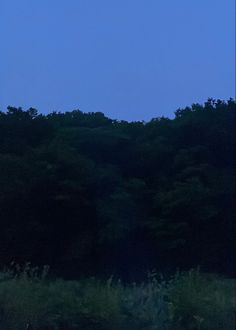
[(130, 59)]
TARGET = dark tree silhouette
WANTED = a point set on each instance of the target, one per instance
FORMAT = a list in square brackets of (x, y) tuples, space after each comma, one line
[(85, 193)]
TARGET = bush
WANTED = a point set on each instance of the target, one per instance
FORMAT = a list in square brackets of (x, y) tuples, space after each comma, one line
[(188, 301), (202, 301)]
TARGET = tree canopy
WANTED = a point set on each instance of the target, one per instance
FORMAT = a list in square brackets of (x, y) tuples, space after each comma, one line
[(82, 192)]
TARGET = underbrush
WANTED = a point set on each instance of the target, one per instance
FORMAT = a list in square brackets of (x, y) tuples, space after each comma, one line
[(190, 300)]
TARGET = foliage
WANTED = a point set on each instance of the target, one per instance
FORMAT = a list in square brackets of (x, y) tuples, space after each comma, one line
[(82, 191), (187, 301), (203, 301)]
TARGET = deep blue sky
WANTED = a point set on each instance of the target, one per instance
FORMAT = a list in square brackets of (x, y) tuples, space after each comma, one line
[(131, 59)]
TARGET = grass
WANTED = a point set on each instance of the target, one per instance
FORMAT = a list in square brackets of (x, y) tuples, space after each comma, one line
[(190, 300)]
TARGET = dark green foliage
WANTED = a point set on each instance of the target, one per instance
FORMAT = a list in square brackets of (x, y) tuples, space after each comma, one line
[(84, 192), (191, 300)]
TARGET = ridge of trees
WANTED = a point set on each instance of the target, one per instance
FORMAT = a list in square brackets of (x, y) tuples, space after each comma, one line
[(82, 192)]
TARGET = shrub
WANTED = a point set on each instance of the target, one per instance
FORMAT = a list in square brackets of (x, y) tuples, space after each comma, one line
[(202, 301), (187, 301)]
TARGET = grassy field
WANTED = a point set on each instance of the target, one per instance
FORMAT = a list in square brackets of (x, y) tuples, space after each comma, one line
[(190, 300)]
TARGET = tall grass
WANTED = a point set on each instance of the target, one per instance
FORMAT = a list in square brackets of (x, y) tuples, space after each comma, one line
[(187, 301)]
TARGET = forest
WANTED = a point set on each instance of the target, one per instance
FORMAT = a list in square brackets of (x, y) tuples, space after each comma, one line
[(134, 220), (86, 194)]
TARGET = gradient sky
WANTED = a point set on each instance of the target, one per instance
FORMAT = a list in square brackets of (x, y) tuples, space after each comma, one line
[(131, 59)]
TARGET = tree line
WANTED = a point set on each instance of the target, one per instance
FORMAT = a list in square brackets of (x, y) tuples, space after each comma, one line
[(87, 194)]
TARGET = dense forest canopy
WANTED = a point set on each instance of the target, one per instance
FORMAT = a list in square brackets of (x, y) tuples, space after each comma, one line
[(87, 194)]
